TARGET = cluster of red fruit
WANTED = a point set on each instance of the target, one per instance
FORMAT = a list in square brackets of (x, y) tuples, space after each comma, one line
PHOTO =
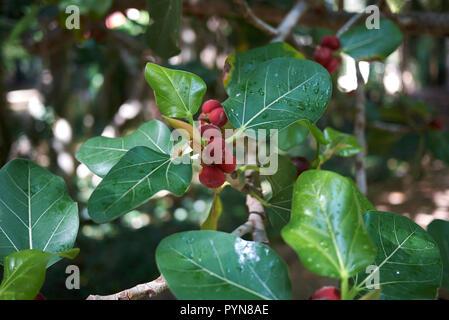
[(213, 170), (324, 53)]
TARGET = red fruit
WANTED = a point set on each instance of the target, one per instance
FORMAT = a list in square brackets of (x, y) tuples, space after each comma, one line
[(210, 105), (209, 156), (39, 296), (326, 293), (212, 177), (330, 42), (332, 65), (323, 55), (228, 167), (436, 124), (218, 117), (301, 164), (210, 131)]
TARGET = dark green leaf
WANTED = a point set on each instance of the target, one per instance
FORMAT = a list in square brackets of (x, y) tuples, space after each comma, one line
[(178, 93), (100, 154), (280, 207), (24, 273), (438, 142), (278, 93), (163, 33), (242, 64), (326, 227), (217, 265), (36, 211), (408, 260), (139, 174), (439, 230), (292, 135), (371, 44)]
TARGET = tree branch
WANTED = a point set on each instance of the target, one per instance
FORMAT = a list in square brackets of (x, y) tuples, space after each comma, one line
[(359, 132), (149, 289), (247, 13), (290, 21)]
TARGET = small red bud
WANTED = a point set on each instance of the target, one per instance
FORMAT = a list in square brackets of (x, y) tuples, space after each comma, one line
[(330, 42), (326, 293), (210, 105), (332, 66), (323, 55), (218, 117)]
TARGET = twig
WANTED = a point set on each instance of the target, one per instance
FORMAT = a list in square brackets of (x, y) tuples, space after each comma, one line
[(359, 132), (245, 228), (290, 21), (149, 289), (391, 127), (350, 23), (253, 19)]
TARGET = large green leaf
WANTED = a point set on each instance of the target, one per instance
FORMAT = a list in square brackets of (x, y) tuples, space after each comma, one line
[(178, 93), (139, 174), (438, 142), (326, 227), (371, 44), (36, 211), (24, 273), (439, 230), (292, 135), (163, 33), (408, 260), (242, 64), (100, 154), (279, 207), (278, 93), (217, 265)]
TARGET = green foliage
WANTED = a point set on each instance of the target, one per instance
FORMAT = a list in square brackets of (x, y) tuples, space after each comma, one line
[(439, 230), (139, 174), (326, 228), (214, 214), (163, 33), (270, 98), (36, 211), (100, 154), (438, 142), (24, 273), (217, 265), (371, 44), (292, 135), (178, 93), (408, 260)]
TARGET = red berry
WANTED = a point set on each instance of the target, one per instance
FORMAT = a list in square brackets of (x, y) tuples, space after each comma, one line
[(212, 177), (210, 131), (330, 42), (436, 124), (227, 167), (326, 293), (301, 164), (210, 105), (323, 55), (39, 296), (332, 66), (209, 156), (218, 117)]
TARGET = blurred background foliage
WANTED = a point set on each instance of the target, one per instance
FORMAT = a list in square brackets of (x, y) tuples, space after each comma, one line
[(60, 87)]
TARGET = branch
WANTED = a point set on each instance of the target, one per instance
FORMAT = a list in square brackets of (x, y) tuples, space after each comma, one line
[(253, 19), (359, 132), (149, 289), (290, 21)]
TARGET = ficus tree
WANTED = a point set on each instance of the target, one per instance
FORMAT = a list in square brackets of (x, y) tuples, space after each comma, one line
[(275, 97)]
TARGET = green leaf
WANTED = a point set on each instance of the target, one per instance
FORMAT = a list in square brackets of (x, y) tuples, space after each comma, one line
[(315, 131), (242, 64), (438, 142), (326, 227), (214, 214), (163, 34), (281, 182), (24, 273), (139, 174), (408, 260), (292, 135), (100, 154), (178, 93), (341, 144), (439, 230), (278, 93), (216, 265), (371, 44), (36, 211)]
